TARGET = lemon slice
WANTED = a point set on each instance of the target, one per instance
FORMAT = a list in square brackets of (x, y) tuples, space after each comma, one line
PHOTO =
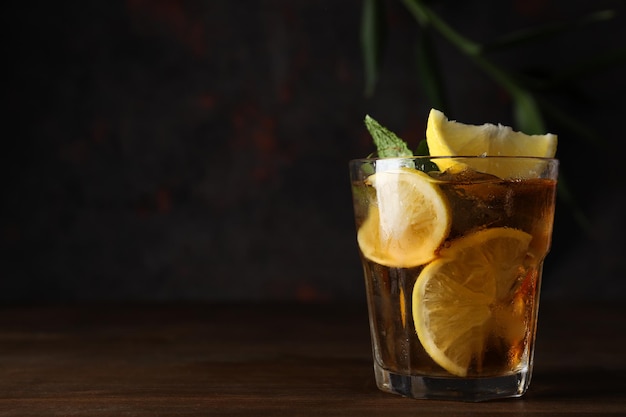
[(462, 299), (449, 138), (409, 221)]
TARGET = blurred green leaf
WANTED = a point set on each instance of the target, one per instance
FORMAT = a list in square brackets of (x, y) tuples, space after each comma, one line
[(425, 16), (584, 132), (429, 72), (373, 36), (540, 33), (590, 66), (527, 115)]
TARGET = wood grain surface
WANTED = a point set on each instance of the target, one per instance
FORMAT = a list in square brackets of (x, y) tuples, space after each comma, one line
[(271, 360)]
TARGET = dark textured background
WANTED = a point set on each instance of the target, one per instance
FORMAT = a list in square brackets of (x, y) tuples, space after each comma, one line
[(166, 150)]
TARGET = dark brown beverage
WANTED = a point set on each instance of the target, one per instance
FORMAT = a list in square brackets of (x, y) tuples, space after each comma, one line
[(470, 311)]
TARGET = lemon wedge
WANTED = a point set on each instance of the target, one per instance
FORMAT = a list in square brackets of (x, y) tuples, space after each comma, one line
[(450, 138), (461, 300), (409, 221)]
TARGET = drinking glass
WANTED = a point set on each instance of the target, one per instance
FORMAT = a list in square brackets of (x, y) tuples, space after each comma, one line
[(452, 250)]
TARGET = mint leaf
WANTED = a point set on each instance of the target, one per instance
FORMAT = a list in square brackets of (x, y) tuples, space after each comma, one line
[(422, 148), (387, 143)]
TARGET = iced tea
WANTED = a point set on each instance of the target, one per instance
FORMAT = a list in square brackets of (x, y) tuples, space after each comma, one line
[(491, 325)]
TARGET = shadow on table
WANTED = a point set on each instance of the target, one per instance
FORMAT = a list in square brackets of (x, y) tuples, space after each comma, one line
[(592, 384)]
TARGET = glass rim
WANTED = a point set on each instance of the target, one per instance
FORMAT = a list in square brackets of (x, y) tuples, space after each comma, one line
[(424, 157)]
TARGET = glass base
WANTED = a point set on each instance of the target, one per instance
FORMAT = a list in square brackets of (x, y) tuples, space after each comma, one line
[(456, 389)]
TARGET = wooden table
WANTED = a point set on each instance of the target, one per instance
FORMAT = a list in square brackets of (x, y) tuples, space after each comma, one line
[(272, 360)]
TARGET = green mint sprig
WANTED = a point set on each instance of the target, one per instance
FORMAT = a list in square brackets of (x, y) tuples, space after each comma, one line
[(388, 144)]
